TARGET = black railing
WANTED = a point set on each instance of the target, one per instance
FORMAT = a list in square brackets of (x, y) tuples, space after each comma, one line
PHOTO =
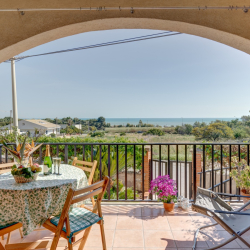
[(131, 166)]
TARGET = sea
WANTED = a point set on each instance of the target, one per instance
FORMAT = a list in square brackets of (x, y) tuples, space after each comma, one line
[(162, 121)]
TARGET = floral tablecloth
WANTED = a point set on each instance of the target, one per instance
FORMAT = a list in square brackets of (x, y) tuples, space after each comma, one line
[(34, 202)]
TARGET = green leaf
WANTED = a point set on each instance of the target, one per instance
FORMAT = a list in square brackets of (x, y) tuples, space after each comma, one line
[(22, 148)]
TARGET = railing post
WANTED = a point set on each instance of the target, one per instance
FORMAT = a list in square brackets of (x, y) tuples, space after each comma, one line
[(197, 168), (1, 161), (194, 173), (66, 154), (147, 172)]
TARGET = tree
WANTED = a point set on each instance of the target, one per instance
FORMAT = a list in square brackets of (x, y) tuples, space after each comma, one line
[(188, 129), (140, 123), (245, 118), (214, 132)]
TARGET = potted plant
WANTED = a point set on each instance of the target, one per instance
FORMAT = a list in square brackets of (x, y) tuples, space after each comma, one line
[(165, 189), (241, 176), (23, 171)]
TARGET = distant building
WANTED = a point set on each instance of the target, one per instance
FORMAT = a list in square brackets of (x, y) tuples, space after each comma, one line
[(43, 127)]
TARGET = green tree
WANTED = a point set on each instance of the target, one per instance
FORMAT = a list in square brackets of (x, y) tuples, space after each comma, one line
[(140, 123), (213, 132)]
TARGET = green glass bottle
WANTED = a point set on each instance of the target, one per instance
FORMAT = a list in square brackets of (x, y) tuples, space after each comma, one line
[(47, 160)]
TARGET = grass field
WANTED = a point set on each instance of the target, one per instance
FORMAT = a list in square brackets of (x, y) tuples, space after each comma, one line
[(136, 129)]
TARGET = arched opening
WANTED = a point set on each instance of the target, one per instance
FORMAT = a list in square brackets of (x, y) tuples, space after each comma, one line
[(229, 39)]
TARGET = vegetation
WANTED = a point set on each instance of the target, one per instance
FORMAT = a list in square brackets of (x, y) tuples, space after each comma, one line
[(154, 131), (98, 123), (213, 132), (241, 174), (97, 134), (71, 130), (121, 191)]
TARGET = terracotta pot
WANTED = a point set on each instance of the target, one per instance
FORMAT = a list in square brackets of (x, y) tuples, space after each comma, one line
[(245, 200), (169, 207)]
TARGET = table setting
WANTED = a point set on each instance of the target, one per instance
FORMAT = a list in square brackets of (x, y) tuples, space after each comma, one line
[(40, 194)]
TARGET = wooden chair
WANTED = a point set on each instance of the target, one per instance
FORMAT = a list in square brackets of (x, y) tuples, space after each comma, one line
[(71, 223), (88, 167), (7, 229), (6, 167)]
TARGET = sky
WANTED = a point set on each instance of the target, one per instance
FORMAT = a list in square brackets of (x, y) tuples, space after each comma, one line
[(171, 77)]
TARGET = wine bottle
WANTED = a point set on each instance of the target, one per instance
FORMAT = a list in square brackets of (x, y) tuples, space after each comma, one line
[(47, 160)]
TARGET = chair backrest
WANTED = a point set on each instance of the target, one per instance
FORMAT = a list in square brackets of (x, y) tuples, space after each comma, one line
[(75, 196), (6, 167), (86, 166), (210, 200)]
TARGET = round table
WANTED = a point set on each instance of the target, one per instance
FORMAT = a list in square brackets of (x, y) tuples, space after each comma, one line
[(34, 202)]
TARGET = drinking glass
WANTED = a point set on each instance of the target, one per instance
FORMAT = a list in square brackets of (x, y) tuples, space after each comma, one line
[(58, 165), (179, 200), (55, 164), (185, 203)]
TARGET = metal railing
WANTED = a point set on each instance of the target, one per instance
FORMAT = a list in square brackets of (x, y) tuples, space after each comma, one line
[(131, 166)]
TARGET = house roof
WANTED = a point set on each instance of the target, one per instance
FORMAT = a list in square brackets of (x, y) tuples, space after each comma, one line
[(43, 123)]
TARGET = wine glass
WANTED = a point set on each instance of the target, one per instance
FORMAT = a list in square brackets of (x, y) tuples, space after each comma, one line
[(55, 164), (58, 165)]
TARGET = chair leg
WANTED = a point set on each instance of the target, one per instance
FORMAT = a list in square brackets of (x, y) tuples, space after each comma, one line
[(8, 238), (20, 231), (70, 247), (93, 201), (84, 238), (103, 236), (1, 246), (197, 232), (2, 237), (218, 246)]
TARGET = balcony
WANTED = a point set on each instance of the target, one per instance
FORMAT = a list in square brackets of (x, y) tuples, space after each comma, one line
[(147, 227), (138, 221)]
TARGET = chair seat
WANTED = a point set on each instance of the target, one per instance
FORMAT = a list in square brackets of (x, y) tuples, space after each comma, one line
[(237, 222), (8, 225), (79, 219)]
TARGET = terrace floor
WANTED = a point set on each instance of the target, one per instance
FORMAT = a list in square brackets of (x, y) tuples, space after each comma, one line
[(148, 227)]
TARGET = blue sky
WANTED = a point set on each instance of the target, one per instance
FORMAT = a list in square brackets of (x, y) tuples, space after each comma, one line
[(171, 77)]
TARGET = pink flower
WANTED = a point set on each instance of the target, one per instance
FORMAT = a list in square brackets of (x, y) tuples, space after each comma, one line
[(164, 187)]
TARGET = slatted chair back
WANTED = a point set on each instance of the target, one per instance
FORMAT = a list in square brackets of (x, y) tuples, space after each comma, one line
[(86, 166), (6, 167), (76, 196)]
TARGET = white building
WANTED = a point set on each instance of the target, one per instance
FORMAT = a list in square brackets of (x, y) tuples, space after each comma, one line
[(43, 127)]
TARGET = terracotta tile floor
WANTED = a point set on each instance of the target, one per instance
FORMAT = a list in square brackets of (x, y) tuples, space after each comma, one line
[(148, 227)]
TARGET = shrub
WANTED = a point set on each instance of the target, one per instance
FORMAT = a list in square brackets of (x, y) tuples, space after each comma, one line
[(154, 131), (122, 133), (53, 135), (97, 134), (241, 174)]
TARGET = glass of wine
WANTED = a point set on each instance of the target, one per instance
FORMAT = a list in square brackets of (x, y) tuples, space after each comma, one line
[(55, 164)]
